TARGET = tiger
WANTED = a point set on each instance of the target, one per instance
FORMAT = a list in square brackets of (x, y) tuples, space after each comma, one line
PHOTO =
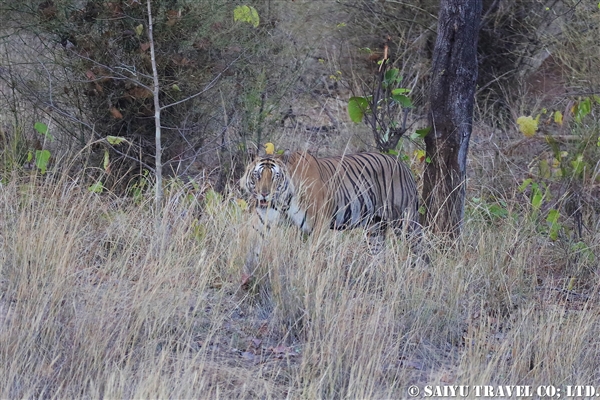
[(369, 190)]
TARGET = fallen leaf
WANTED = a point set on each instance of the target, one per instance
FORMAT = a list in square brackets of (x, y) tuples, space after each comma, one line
[(181, 61), (145, 46), (115, 9), (173, 16), (139, 92), (116, 113)]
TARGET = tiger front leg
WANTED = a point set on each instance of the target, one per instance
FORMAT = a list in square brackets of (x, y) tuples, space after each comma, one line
[(262, 221)]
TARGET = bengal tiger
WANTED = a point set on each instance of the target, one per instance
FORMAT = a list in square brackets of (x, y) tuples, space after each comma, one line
[(369, 190)]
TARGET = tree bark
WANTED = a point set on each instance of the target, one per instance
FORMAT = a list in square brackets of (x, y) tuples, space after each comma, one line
[(454, 77)]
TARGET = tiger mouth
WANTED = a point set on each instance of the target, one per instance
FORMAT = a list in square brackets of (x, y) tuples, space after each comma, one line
[(263, 203)]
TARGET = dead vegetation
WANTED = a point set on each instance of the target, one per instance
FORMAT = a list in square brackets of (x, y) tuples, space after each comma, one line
[(101, 297), (99, 300)]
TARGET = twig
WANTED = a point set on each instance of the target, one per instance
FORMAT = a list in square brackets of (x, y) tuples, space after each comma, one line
[(208, 87)]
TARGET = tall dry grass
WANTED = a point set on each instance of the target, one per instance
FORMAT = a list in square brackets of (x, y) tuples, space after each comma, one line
[(101, 298)]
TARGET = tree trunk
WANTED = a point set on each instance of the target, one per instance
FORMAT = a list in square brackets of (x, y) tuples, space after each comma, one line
[(454, 77)]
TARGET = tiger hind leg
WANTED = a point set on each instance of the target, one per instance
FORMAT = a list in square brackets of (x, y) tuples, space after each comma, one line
[(413, 233), (376, 237)]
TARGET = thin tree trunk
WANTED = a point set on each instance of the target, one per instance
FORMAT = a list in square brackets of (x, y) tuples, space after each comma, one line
[(155, 91), (452, 93)]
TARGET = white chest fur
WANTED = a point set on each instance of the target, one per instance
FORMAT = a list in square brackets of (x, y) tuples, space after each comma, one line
[(268, 215), (298, 216)]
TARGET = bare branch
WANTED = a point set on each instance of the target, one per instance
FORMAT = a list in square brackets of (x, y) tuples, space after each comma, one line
[(207, 88), (157, 109)]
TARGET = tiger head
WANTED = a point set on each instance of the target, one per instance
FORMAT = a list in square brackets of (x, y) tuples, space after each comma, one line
[(267, 180)]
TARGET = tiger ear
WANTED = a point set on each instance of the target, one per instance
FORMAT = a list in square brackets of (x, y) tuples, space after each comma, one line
[(252, 151), (286, 156)]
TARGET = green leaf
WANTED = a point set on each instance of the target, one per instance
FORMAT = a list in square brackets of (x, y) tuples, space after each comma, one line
[(246, 14), (357, 107), (391, 75), (497, 211), (106, 163), (30, 156), (420, 133), (400, 91), (42, 129), (97, 187), (558, 117), (139, 29), (545, 171), (583, 249), (403, 100), (212, 200), (552, 220), (536, 200), (115, 140), (527, 125), (582, 109), (553, 216), (391, 78), (554, 229), (42, 159), (525, 184), (578, 164)]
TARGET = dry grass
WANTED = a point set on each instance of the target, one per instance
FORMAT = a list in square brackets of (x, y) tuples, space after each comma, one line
[(100, 298), (97, 299)]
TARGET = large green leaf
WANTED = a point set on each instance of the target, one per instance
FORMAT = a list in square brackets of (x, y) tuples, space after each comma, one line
[(403, 100), (392, 77), (42, 159), (42, 129), (420, 133), (357, 107)]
